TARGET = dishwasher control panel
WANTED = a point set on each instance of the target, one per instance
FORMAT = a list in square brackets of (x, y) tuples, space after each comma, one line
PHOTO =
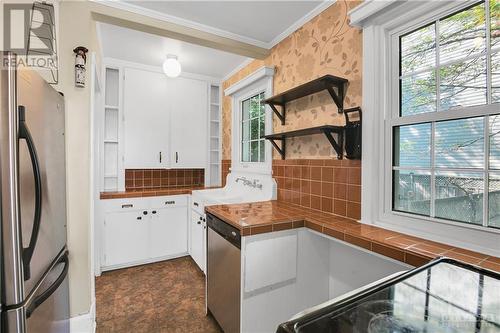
[(230, 233)]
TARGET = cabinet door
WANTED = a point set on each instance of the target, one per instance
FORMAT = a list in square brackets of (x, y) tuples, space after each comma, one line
[(189, 109), (146, 119), (197, 240), (125, 237), (168, 232)]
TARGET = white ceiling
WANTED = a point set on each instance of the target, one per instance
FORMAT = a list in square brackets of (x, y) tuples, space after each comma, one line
[(140, 47), (261, 23)]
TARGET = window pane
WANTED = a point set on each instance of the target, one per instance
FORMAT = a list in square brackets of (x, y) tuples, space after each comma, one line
[(495, 22), (262, 152), (494, 142), (494, 200), (245, 108), (418, 50), (463, 84), (254, 129), (254, 107), (245, 133), (462, 34), (495, 76), (459, 143), (254, 148), (245, 151), (412, 191), (412, 145), (459, 197), (418, 93), (262, 126)]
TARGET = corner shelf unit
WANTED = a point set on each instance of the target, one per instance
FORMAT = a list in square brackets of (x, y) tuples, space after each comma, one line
[(333, 84), (214, 169), (328, 130)]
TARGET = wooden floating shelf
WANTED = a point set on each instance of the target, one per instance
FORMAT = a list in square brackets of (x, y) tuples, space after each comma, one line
[(326, 82), (327, 130)]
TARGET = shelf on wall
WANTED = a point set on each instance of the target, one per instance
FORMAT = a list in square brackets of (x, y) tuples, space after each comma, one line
[(327, 130), (326, 82)]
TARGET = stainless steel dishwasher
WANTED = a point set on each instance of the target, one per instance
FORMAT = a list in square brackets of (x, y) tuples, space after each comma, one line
[(224, 273)]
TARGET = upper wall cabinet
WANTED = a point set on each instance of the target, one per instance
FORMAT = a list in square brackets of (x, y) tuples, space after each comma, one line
[(146, 120), (165, 121), (188, 101)]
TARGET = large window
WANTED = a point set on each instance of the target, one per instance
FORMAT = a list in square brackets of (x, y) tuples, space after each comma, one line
[(252, 129), (446, 135)]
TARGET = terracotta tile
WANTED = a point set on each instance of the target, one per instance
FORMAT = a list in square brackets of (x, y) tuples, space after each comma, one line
[(288, 183), (416, 260), (333, 232), (280, 171), (493, 266), (305, 172), (339, 191), (340, 175), (326, 204), (354, 193), (403, 241), (339, 207), (335, 163), (315, 188), (429, 249), (298, 224), (353, 210), (288, 171), (282, 226), (354, 176), (495, 260), (305, 200), (327, 190), (469, 253), (316, 162), (358, 241), (316, 173), (139, 174), (296, 172), (462, 257), (327, 174), (296, 185), (305, 186), (314, 226), (388, 251), (351, 163), (315, 202)]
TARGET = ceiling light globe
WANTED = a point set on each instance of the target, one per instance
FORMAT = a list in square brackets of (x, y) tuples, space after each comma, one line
[(172, 66)]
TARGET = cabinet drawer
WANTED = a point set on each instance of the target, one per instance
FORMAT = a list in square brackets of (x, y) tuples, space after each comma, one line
[(122, 205), (169, 201)]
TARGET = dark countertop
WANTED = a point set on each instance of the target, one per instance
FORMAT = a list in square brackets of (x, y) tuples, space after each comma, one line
[(268, 216)]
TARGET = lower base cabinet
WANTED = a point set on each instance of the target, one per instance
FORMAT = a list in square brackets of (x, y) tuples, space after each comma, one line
[(198, 239), (138, 231)]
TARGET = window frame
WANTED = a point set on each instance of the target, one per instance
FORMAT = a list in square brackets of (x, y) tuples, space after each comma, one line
[(394, 119), (240, 111)]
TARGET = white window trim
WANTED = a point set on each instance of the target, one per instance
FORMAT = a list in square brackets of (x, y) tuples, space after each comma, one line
[(380, 24), (259, 81)]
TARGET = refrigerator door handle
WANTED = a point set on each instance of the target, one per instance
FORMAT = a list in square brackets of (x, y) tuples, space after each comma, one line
[(25, 134), (50, 290)]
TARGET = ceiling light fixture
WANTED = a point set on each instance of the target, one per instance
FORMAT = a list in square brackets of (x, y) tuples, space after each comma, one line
[(172, 66)]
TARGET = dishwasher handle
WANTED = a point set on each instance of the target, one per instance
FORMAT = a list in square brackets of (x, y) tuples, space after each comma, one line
[(230, 233)]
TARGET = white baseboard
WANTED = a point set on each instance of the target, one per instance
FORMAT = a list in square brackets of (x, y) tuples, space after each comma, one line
[(84, 323)]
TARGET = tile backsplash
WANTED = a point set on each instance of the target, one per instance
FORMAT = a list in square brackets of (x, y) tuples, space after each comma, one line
[(328, 185), (136, 179)]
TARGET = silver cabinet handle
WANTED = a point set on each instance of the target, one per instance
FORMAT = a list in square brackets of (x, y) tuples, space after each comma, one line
[(176, 157), (172, 202), (127, 206), (160, 157)]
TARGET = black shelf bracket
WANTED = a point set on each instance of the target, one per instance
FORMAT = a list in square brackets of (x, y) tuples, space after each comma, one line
[(337, 146), (281, 150), (338, 99), (280, 115)]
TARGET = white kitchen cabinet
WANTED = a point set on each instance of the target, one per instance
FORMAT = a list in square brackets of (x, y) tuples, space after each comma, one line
[(198, 239), (141, 230), (146, 119), (126, 237), (169, 231), (188, 117)]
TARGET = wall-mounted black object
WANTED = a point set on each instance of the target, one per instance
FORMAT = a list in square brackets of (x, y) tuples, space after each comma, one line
[(352, 133), (327, 130), (326, 82)]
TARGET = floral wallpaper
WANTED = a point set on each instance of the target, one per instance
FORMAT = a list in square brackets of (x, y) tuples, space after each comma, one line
[(324, 45)]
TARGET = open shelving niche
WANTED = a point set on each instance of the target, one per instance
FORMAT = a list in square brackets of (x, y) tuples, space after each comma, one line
[(111, 130), (336, 87), (214, 171)]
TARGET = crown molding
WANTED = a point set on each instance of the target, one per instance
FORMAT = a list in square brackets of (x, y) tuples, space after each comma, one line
[(216, 31), (235, 70), (368, 9), (300, 22)]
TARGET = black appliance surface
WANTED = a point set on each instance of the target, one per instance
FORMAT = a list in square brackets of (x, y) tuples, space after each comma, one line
[(442, 296)]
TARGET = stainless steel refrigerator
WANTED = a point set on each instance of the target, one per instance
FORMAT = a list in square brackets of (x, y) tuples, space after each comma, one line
[(34, 257)]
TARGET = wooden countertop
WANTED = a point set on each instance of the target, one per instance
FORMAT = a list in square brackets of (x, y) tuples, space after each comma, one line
[(268, 216), (152, 192)]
